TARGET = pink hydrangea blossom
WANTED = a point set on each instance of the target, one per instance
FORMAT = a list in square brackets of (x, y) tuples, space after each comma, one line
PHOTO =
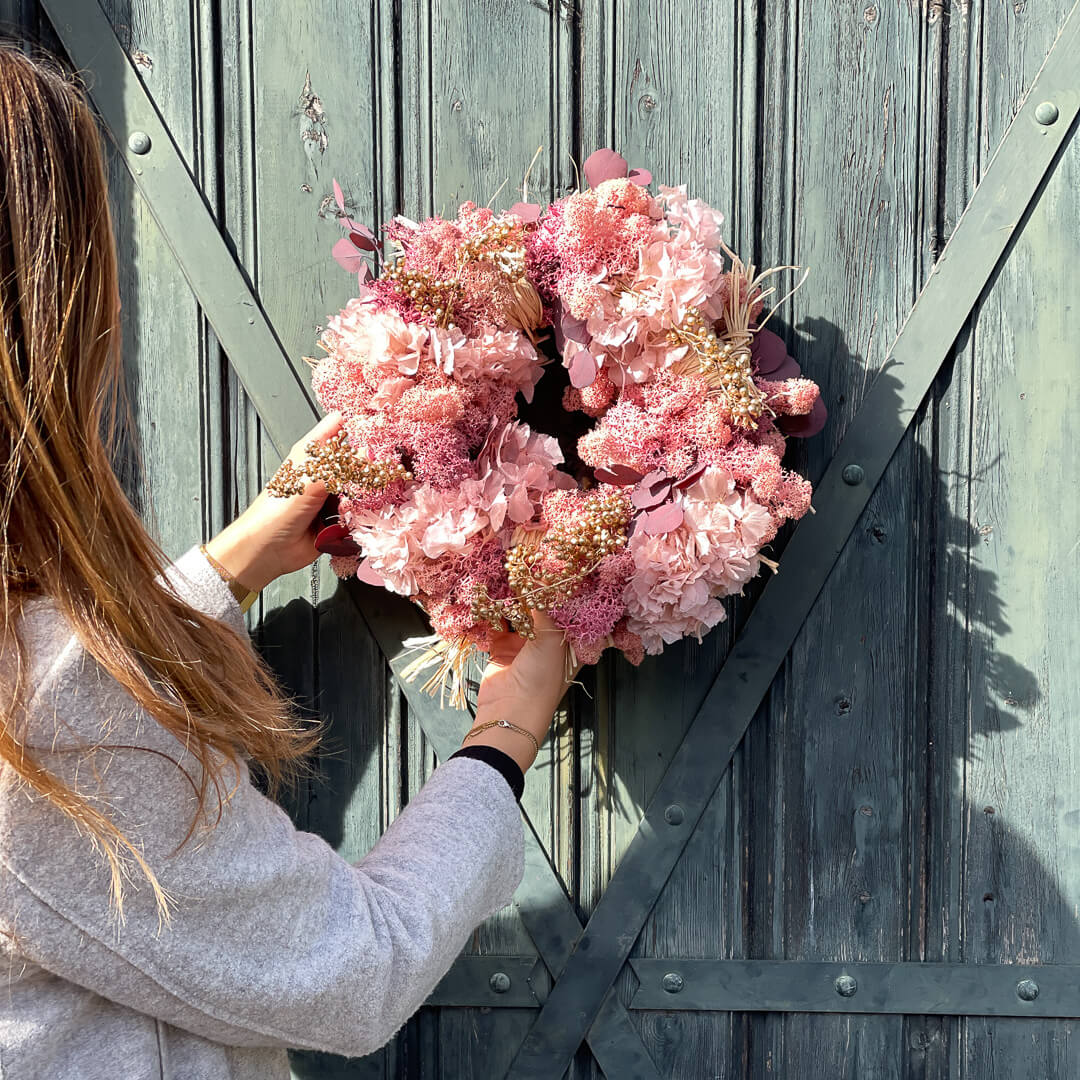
[(437, 389)]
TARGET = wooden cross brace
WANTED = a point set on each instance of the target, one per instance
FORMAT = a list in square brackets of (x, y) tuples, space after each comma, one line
[(582, 1005)]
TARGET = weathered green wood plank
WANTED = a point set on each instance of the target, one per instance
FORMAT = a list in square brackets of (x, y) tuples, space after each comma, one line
[(843, 738), (1017, 805), (484, 85), (314, 100), (677, 112)]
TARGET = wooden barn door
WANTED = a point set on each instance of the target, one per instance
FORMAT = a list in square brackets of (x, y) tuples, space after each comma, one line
[(841, 836)]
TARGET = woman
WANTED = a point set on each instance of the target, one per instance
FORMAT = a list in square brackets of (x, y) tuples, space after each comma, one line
[(159, 916)]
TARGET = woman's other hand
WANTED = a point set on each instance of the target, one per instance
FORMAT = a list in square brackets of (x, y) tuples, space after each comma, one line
[(523, 682), (276, 536)]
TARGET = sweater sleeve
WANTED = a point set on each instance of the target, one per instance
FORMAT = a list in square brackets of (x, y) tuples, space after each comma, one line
[(273, 938)]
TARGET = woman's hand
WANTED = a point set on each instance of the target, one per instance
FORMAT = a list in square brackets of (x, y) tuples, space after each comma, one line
[(524, 681), (276, 536)]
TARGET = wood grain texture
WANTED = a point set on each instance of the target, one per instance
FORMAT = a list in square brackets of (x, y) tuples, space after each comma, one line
[(478, 96), (843, 736), (658, 82), (158, 309), (1015, 792), (907, 791)]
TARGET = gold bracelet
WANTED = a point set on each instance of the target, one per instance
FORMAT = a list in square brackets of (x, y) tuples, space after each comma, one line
[(244, 596), (504, 724)]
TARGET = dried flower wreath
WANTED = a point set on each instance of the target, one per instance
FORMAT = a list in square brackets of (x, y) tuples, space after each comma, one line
[(628, 534)]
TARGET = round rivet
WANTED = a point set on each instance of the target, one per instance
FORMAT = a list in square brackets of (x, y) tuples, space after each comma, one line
[(1046, 113), (1027, 989), (673, 815), (499, 982), (853, 474), (846, 985), (673, 982), (139, 142)]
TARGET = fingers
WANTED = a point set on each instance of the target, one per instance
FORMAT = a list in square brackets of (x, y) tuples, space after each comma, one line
[(325, 429)]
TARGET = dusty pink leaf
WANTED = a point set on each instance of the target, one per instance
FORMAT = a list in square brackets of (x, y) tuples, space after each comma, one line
[(651, 490), (663, 520), (789, 369), (347, 257), (802, 427), (690, 478), (339, 197), (365, 241), (583, 369), (768, 352), (603, 165), (363, 275), (640, 176), (618, 475), (336, 540), (527, 211), (574, 329)]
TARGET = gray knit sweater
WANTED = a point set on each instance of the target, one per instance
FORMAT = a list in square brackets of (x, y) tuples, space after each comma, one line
[(275, 941)]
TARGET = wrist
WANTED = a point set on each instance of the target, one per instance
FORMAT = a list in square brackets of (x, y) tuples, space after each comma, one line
[(240, 555), (521, 741)]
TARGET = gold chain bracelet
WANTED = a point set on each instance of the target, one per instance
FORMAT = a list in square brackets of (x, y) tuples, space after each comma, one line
[(245, 597), (504, 724)]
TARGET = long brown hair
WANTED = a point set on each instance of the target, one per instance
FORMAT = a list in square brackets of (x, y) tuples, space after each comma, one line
[(69, 532)]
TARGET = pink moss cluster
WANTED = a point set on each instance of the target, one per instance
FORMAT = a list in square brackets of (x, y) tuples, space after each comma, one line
[(436, 387)]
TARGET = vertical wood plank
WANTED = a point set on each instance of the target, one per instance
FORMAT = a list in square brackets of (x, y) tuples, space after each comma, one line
[(677, 112), (483, 84), (160, 317), (1016, 797), (315, 102), (845, 733)]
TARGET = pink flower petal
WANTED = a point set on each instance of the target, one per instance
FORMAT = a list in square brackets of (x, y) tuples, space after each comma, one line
[(339, 198), (640, 176), (583, 369), (527, 211), (347, 257), (366, 572), (664, 520), (603, 165)]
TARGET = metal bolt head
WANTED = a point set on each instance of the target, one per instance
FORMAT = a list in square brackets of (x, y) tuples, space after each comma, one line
[(499, 982), (673, 815), (139, 142), (1046, 113), (846, 985), (673, 982), (853, 474), (1027, 989)]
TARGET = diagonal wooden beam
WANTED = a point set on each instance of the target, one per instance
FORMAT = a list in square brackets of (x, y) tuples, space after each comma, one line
[(978, 243), (287, 411)]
